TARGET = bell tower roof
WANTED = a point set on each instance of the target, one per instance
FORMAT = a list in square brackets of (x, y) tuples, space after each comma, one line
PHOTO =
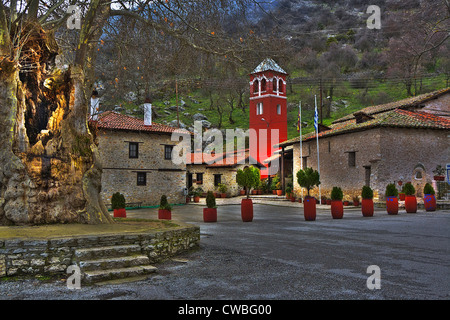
[(268, 64)]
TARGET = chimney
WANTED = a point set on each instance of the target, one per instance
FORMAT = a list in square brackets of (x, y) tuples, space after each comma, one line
[(148, 112)]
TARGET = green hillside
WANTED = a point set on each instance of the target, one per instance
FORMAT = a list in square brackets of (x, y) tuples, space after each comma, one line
[(346, 100)]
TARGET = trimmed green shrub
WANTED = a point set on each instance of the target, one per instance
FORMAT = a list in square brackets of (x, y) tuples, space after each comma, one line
[(409, 189), (210, 200), (163, 204), (367, 192), (248, 178), (336, 193), (118, 201), (391, 190), (428, 189), (308, 179)]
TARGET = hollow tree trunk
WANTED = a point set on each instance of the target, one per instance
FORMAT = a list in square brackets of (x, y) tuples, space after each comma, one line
[(49, 164)]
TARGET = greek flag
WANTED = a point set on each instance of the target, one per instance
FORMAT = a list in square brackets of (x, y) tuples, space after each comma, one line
[(316, 119)]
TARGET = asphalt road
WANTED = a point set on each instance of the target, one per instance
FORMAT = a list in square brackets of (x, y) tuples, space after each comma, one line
[(281, 256)]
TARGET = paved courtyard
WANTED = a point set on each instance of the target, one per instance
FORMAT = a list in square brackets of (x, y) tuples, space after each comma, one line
[(281, 256)]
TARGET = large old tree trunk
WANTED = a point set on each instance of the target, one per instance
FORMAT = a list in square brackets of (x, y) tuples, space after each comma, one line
[(49, 165)]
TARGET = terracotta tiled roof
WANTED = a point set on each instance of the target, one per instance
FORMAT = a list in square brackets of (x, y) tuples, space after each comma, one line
[(230, 159), (400, 104), (397, 118), (116, 121)]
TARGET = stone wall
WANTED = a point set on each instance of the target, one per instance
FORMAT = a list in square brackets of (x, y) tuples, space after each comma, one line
[(334, 162), (120, 171), (393, 154), (411, 155), (54, 256), (228, 177)]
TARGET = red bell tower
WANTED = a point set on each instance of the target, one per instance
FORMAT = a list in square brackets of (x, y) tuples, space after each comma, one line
[(268, 108)]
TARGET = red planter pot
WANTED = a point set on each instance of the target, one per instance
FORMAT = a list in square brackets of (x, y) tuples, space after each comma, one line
[(356, 203), (367, 207), (300, 200), (292, 199), (337, 209), (120, 213), (274, 191), (323, 201), (164, 214), (210, 214), (279, 192), (392, 205), (309, 208), (242, 192), (328, 201), (188, 199), (196, 199), (254, 192), (429, 202), (411, 204), (247, 210), (346, 203), (223, 195), (401, 196)]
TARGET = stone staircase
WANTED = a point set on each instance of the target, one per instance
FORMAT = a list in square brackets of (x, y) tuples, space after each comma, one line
[(102, 264)]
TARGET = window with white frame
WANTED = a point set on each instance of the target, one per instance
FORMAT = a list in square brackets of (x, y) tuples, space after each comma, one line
[(259, 108)]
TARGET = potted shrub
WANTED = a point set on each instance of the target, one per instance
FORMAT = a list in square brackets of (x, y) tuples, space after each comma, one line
[(367, 201), (337, 207), (346, 203), (356, 201), (329, 202), (439, 173), (274, 184), (260, 187), (165, 209), (410, 198), (288, 192), (210, 213), (223, 190), (308, 179), (391, 199), (118, 205), (197, 193), (429, 200), (247, 178), (279, 190)]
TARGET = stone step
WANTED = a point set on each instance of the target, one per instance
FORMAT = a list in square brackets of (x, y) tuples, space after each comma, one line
[(119, 273), (113, 263), (109, 251)]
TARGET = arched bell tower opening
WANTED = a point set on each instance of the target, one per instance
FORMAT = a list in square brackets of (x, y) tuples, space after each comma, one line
[(268, 109)]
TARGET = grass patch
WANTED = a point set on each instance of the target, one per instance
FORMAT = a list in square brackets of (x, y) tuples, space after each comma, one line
[(122, 225)]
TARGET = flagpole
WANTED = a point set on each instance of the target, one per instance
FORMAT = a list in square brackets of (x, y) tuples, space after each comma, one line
[(301, 146), (316, 123)]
